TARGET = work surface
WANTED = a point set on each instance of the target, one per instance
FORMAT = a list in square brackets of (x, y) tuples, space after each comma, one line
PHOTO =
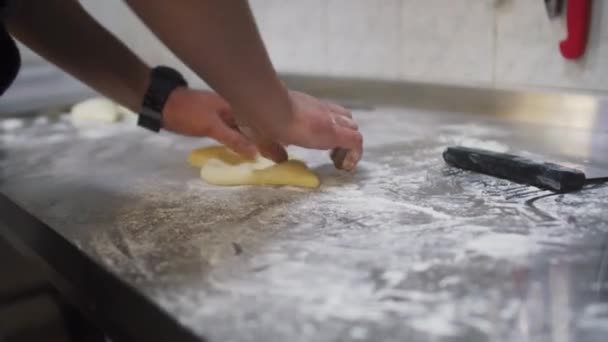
[(405, 248)]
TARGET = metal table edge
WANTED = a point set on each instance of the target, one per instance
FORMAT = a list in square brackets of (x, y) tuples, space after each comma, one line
[(89, 286)]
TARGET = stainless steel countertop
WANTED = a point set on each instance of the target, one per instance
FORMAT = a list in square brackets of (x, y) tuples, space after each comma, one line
[(405, 248)]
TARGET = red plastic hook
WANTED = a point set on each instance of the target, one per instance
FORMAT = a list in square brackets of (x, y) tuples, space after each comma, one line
[(578, 20)]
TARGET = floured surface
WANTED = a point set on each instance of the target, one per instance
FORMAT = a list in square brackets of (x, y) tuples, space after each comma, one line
[(405, 248)]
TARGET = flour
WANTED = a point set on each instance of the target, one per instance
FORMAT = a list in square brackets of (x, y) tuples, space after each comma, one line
[(503, 245), (438, 322), (473, 135), (403, 243), (32, 141), (474, 129), (358, 333), (106, 130), (490, 145), (40, 121), (10, 124), (595, 316)]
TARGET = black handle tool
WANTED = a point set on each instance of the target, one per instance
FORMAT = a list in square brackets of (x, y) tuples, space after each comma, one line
[(516, 168)]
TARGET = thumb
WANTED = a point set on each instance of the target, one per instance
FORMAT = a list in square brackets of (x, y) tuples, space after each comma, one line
[(234, 140), (272, 151)]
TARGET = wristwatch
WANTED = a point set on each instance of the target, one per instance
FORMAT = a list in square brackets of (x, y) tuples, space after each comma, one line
[(163, 80)]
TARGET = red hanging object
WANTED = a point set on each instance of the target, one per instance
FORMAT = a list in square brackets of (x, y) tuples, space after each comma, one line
[(578, 20)]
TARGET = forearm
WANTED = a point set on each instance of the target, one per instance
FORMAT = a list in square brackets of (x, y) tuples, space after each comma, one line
[(63, 32), (218, 39)]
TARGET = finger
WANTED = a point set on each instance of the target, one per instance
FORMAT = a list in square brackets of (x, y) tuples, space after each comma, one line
[(234, 140), (218, 101), (226, 116), (344, 159), (339, 109), (345, 121), (347, 138), (230, 122), (272, 151), (351, 159), (268, 149), (347, 157), (337, 156)]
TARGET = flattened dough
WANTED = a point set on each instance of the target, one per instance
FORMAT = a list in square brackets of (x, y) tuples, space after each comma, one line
[(220, 166)]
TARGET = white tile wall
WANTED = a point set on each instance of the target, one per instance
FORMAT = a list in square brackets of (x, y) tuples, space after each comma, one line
[(527, 46), (448, 41), (480, 42), (364, 38), (295, 33)]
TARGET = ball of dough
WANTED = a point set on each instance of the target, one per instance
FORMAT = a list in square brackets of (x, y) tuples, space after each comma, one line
[(94, 111), (126, 114)]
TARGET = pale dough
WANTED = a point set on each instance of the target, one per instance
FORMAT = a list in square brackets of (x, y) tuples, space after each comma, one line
[(126, 114), (220, 166), (93, 112), (98, 111)]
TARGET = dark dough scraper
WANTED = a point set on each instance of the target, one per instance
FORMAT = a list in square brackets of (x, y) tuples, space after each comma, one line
[(518, 169)]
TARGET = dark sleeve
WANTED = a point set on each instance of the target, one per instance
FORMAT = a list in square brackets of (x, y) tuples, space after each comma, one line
[(10, 60), (7, 7)]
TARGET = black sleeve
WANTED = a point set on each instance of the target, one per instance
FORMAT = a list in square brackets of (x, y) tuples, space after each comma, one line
[(10, 60), (6, 8)]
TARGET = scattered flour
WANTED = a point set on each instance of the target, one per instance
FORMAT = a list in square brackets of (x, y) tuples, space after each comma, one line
[(41, 121), (490, 145), (500, 245), (473, 135), (11, 124), (474, 129), (358, 332), (381, 246), (595, 316), (439, 322)]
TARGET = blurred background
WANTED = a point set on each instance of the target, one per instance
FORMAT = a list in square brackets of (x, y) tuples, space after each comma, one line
[(483, 43)]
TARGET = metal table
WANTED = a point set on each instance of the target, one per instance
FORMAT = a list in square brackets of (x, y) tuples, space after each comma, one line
[(405, 248)]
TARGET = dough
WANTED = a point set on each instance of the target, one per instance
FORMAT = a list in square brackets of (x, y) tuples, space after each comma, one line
[(100, 110), (93, 112), (126, 115), (220, 166)]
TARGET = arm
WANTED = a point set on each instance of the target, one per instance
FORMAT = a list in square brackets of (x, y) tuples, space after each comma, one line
[(218, 39), (62, 32), (220, 42)]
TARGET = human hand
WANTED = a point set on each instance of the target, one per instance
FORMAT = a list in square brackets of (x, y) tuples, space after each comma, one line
[(202, 113), (311, 123), (342, 133)]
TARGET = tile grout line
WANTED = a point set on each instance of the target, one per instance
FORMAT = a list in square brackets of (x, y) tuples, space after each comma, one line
[(326, 67), (400, 72), (494, 42)]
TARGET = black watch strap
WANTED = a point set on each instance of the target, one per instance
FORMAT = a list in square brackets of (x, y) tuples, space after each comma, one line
[(163, 80)]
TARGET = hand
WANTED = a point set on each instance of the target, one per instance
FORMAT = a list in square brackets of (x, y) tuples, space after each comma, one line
[(325, 125), (311, 124), (202, 113)]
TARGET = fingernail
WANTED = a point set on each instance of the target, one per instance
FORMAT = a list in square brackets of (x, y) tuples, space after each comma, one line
[(351, 160), (347, 165)]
